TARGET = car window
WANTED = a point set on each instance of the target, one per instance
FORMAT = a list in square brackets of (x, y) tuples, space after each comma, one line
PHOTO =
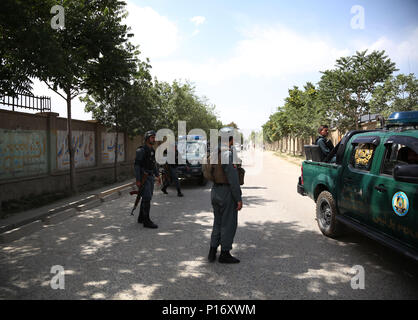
[(362, 156), (397, 154)]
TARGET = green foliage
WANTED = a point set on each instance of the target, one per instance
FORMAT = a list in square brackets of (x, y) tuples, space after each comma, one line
[(125, 107), (398, 93), (347, 89), (92, 55), (300, 116), (277, 127), (358, 85), (179, 102), (24, 28)]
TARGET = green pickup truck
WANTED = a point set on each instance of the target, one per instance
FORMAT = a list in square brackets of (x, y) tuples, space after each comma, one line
[(370, 185)]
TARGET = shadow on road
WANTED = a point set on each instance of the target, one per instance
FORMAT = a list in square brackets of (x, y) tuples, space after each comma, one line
[(107, 255)]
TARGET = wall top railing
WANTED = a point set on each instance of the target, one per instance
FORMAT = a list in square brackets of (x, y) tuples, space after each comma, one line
[(41, 104)]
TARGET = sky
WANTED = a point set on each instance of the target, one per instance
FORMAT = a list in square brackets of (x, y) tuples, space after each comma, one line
[(244, 56)]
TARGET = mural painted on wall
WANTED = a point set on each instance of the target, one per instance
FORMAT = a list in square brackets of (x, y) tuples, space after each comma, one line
[(22, 153), (83, 142), (108, 147)]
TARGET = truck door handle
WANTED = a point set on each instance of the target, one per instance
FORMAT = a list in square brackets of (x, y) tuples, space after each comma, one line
[(380, 188)]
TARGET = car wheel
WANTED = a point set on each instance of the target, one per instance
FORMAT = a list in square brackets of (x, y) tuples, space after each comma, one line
[(326, 212)]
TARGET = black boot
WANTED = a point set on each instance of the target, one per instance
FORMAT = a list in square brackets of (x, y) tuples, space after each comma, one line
[(147, 221), (212, 254), (149, 224), (225, 257), (164, 190), (179, 194)]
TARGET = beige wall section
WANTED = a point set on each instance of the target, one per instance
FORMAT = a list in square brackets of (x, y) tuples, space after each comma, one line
[(22, 153), (108, 147), (84, 147), (30, 150)]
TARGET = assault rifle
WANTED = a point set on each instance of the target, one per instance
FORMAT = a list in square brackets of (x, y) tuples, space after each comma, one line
[(139, 192)]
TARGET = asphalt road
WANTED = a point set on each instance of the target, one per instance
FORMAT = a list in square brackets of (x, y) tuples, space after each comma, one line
[(106, 255)]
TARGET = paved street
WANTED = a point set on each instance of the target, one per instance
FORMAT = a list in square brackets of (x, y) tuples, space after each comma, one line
[(107, 255)]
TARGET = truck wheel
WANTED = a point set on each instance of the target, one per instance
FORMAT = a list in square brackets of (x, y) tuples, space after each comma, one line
[(326, 212)]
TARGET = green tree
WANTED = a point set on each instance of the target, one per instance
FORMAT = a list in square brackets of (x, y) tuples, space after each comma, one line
[(398, 93), (278, 126), (179, 102), (123, 107), (346, 90), (298, 118), (89, 53), (24, 28)]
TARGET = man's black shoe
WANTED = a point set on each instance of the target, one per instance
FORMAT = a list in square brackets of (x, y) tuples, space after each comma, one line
[(164, 190), (179, 194), (212, 254), (225, 257), (150, 224)]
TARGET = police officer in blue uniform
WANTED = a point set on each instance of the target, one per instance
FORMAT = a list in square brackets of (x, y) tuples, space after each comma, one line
[(145, 164), (226, 202)]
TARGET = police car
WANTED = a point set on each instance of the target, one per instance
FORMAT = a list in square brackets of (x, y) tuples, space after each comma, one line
[(373, 185)]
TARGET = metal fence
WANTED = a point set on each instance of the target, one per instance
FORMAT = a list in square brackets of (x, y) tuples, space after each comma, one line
[(41, 104)]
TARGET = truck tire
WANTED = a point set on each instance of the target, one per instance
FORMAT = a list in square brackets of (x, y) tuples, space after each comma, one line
[(326, 212)]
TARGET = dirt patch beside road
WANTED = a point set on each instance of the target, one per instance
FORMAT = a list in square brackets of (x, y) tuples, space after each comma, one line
[(293, 159)]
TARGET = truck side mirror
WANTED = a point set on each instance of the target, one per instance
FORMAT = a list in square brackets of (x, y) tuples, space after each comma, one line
[(406, 173)]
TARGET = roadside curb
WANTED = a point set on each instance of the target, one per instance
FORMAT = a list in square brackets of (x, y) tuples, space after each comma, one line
[(17, 230), (20, 232), (60, 216)]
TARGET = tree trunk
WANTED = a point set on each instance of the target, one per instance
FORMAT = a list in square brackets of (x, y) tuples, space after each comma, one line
[(116, 156), (73, 187), (294, 146), (302, 149)]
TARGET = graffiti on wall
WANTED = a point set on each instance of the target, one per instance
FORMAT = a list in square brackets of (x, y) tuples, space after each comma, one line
[(108, 147), (22, 153), (83, 142)]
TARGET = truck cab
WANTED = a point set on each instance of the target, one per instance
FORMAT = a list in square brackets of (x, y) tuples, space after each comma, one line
[(372, 186)]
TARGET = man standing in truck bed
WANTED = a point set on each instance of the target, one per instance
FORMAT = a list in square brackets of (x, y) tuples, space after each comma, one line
[(325, 145)]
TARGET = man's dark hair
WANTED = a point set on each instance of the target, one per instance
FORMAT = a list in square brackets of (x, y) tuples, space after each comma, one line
[(321, 128)]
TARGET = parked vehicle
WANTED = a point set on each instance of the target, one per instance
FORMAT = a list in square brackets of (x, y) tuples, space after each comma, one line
[(193, 148), (373, 185)]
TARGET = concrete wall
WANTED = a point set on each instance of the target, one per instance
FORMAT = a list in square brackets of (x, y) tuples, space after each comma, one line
[(34, 155), (22, 153)]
